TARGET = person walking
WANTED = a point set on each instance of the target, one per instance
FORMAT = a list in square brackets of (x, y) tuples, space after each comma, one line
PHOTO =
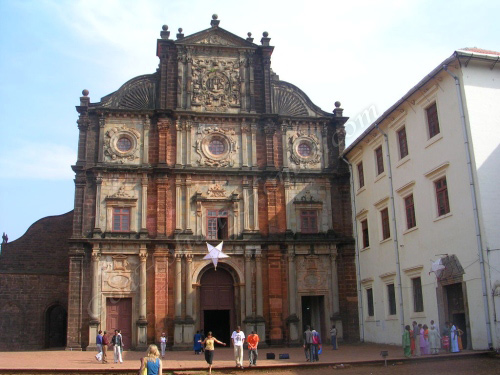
[(434, 339), (307, 343), (454, 338), (416, 335), (105, 344), (209, 344), (253, 341), (98, 344), (446, 337), (407, 342), (315, 346), (197, 342), (238, 338), (163, 344), (427, 348), (333, 337), (116, 341), (151, 362)]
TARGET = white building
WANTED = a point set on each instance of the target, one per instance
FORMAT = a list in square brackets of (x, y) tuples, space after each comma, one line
[(419, 172)]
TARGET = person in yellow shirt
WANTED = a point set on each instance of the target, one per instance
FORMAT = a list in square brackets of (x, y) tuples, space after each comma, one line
[(253, 342), (208, 343)]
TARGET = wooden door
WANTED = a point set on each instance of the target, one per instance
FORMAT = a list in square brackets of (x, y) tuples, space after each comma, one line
[(119, 316)]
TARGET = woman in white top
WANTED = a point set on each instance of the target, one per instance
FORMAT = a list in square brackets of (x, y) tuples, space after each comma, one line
[(163, 344)]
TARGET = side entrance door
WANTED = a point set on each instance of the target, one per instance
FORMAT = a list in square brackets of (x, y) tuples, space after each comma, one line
[(119, 316)]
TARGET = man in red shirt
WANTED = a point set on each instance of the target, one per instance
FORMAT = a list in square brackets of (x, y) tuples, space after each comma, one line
[(253, 342), (105, 343)]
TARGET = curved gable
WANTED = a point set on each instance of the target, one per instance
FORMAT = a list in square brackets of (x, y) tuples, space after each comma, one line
[(139, 93), (289, 100)]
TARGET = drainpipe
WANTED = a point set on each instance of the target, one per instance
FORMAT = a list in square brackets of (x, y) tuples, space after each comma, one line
[(395, 231), (358, 267), (474, 205)]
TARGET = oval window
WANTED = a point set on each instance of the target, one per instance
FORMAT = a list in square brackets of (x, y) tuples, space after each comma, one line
[(124, 144), (304, 149), (216, 147)]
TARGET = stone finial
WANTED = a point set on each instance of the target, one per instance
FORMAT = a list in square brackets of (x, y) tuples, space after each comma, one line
[(215, 22), (249, 39), (180, 35), (265, 40), (164, 32), (85, 100), (338, 111)]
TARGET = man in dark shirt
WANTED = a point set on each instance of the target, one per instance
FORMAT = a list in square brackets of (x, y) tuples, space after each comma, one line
[(105, 343), (98, 343), (307, 343)]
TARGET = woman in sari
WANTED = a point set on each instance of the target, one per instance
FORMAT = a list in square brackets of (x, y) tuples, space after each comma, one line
[(407, 342), (454, 338)]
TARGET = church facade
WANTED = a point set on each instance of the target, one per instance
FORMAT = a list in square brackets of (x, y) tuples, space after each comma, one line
[(212, 147)]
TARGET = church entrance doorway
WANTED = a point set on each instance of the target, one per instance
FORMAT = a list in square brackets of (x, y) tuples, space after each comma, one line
[(313, 314), (456, 309), (217, 303), (119, 316), (55, 327)]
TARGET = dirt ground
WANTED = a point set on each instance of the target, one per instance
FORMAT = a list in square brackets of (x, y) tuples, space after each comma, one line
[(453, 366)]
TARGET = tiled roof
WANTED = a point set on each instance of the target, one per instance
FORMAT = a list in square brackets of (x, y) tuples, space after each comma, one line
[(479, 50)]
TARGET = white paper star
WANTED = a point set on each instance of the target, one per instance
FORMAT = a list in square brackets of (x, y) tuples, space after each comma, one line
[(215, 253)]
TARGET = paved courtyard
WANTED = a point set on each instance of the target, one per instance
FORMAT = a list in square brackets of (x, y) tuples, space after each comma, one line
[(184, 360)]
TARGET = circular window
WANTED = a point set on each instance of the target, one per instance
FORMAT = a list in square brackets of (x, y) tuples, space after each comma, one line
[(124, 144), (304, 149), (216, 147)]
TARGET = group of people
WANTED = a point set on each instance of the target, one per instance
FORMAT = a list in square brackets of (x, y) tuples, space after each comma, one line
[(312, 344), (102, 343), (420, 339)]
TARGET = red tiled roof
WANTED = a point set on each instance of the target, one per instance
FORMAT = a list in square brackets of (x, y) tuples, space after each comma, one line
[(479, 50)]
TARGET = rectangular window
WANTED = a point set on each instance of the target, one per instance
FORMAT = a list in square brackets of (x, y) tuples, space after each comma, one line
[(379, 160), (443, 204), (403, 143), (217, 224), (418, 301), (121, 219), (386, 230), (361, 175), (432, 120), (391, 296), (369, 299), (309, 221), (410, 212), (364, 231)]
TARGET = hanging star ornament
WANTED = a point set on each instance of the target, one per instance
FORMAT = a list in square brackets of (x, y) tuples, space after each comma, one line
[(215, 253)]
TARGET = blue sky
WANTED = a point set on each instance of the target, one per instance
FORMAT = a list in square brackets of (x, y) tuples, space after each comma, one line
[(366, 54)]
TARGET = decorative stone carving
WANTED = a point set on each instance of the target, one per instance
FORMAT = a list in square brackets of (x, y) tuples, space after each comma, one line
[(121, 194), (120, 263), (112, 149), (216, 84), (217, 191), (136, 94), (215, 39), (305, 149), (312, 273), (226, 137), (121, 282)]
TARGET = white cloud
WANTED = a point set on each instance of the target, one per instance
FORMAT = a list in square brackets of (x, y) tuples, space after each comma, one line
[(36, 160)]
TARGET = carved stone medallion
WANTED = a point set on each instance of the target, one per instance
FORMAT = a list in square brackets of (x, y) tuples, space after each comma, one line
[(305, 150), (121, 144), (216, 146)]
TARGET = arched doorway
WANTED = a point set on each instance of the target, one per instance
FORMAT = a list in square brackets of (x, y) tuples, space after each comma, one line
[(217, 308), (55, 326)]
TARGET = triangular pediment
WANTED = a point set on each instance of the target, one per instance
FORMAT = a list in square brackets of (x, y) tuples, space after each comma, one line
[(216, 37)]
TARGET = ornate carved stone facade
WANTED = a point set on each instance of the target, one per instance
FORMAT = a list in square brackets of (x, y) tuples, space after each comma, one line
[(212, 147)]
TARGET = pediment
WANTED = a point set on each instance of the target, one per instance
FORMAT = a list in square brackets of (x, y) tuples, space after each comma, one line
[(216, 37), (139, 93)]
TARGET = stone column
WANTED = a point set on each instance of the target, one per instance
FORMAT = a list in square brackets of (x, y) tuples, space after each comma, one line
[(144, 202), (269, 130), (188, 205), (243, 89), (253, 129), (284, 127), (293, 319), (94, 299), (188, 143), (334, 283), (255, 205), (179, 127), (236, 219), (260, 323), (188, 328), (100, 154), (97, 226), (325, 153), (246, 205), (329, 214), (147, 126), (181, 78), (178, 204), (288, 204), (248, 284), (178, 286), (252, 81), (244, 145), (142, 323), (189, 77)]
